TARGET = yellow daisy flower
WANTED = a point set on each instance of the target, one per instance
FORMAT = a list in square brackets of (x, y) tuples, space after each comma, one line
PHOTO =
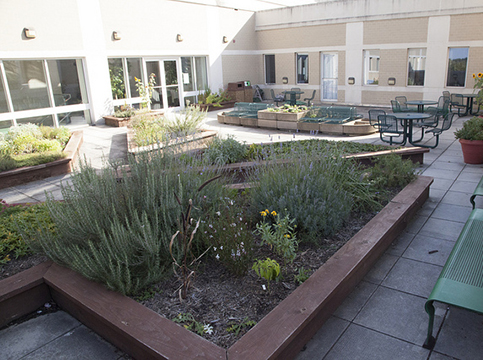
[(474, 76), (274, 213), (480, 75)]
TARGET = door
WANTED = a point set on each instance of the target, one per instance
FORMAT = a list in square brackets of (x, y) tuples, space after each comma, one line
[(166, 89), (329, 76)]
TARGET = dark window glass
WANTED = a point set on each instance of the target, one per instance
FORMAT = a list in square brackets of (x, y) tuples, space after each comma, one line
[(270, 69), (457, 60)]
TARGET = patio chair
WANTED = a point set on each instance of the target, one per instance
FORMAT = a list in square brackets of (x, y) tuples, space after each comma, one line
[(441, 109), (446, 125), (276, 98), (396, 107), (390, 127), (373, 117), (404, 107), (457, 102), (309, 100), (447, 95)]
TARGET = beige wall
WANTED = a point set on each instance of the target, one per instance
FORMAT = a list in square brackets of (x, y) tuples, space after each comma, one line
[(393, 64), (384, 97), (466, 27), (302, 37), (342, 62), (475, 65), (56, 24), (285, 67), (242, 67), (314, 68), (396, 31)]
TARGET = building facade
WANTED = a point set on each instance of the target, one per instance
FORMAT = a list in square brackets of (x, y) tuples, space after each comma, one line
[(70, 62)]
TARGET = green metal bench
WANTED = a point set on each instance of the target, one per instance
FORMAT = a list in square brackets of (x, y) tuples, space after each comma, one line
[(461, 280), (316, 114), (247, 110), (340, 114)]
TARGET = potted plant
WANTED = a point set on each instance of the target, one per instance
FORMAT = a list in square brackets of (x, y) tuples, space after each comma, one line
[(471, 140), (211, 100)]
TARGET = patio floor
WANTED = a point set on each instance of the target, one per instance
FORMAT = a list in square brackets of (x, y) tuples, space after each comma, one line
[(383, 318)]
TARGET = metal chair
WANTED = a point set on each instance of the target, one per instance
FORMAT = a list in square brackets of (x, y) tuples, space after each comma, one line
[(404, 107), (297, 96), (309, 100), (373, 117), (396, 107), (390, 127), (441, 109), (276, 98), (457, 102), (447, 95), (446, 125)]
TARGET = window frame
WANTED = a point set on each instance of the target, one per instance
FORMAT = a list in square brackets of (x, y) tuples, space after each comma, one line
[(448, 67), (270, 76), (420, 56), (299, 65), (367, 66)]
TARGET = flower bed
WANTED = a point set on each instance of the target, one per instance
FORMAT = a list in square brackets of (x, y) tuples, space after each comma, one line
[(144, 334)]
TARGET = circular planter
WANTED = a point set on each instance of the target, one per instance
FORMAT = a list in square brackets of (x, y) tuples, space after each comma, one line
[(472, 151)]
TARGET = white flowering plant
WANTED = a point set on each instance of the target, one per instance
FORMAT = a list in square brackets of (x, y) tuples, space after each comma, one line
[(229, 234)]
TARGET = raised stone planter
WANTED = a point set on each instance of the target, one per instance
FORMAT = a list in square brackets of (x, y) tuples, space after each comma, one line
[(267, 124), (331, 128), (358, 127), (267, 115), (286, 116), (232, 120), (280, 335), (249, 122), (38, 172), (222, 105), (120, 122), (286, 125), (221, 117), (308, 126)]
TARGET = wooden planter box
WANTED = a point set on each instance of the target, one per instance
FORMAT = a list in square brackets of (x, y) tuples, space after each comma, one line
[(232, 120), (38, 172), (281, 334), (267, 124), (221, 117), (250, 122), (286, 125), (282, 116), (120, 122), (267, 115)]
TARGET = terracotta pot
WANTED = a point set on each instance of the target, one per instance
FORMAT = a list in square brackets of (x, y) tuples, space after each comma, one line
[(472, 151)]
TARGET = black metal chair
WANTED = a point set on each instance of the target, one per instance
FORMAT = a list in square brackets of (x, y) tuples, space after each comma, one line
[(441, 109), (437, 131), (373, 117), (309, 100), (390, 127), (447, 95), (396, 106), (457, 102), (276, 98), (404, 106)]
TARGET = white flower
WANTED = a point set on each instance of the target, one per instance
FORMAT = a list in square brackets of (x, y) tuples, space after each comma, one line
[(264, 288), (214, 248), (221, 247), (217, 257), (208, 329), (218, 213)]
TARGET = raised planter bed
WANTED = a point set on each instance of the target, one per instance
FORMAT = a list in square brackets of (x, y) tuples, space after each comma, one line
[(190, 142), (38, 172), (267, 115), (280, 335), (358, 127), (222, 105), (111, 120)]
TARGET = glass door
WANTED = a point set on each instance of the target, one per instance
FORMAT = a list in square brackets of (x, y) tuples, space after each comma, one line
[(329, 73), (166, 89)]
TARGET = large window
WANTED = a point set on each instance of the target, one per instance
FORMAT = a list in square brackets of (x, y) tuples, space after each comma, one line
[(371, 67), (270, 69), (457, 61), (302, 68), (38, 90), (416, 66), (123, 73)]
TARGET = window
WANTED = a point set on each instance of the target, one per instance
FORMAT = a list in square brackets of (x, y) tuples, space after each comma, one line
[(201, 73), (302, 69), (270, 69), (457, 60), (371, 67), (122, 73), (43, 85), (416, 66)]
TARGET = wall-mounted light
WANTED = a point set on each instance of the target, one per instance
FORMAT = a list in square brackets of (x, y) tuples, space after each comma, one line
[(285, 80), (225, 39), (351, 81), (391, 81), (116, 35), (179, 38), (29, 33)]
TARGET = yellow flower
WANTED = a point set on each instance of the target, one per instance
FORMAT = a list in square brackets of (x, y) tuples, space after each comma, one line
[(274, 213), (474, 76), (263, 213), (287, 236), (267, 211), (480, 75), (135, 78)]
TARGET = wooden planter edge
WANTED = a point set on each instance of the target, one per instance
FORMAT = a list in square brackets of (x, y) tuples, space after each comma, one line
[(147, 335)]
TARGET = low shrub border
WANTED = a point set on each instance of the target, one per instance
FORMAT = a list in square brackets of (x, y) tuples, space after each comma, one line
[(280, 335), (27, 174)]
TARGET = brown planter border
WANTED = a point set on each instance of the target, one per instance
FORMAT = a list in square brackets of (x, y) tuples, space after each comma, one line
[(280, 335), (38, 172), (222, 105)]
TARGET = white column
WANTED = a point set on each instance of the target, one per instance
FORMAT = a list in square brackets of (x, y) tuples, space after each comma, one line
[(436, 56), (95, 63), (353, 62)]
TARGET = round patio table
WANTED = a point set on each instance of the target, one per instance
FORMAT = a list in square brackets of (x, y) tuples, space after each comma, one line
[(293, 95), (408, 119), (469, 103), (421, 103)]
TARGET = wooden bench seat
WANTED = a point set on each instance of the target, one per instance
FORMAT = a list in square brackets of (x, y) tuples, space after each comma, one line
[(461, 280)]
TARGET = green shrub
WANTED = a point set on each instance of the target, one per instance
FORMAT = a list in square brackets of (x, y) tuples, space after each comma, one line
[(310, 190), (61, 134), (118, 232), (392, 171), (185, 122), (12, 244), (225, 151)]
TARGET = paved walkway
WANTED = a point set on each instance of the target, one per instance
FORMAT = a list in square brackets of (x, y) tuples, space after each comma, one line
[(383, 318)]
